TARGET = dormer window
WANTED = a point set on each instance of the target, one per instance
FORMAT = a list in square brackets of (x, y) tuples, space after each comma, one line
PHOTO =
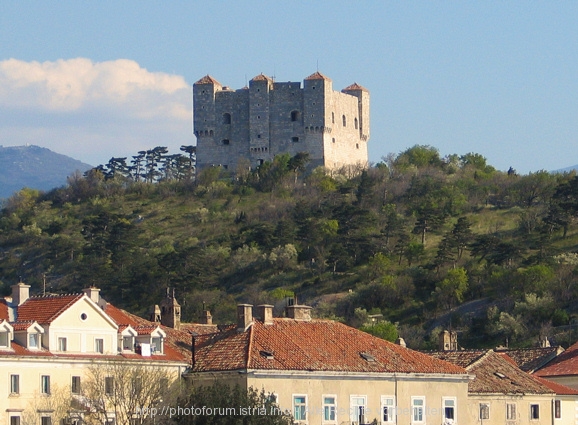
[(127, 343), (33, 340), (4, 339), (157, 345)]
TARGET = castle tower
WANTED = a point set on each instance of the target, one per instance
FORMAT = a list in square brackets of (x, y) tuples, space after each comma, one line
[(170, 311), (259, 122), (204, 119), (317, 115), (363, 95)]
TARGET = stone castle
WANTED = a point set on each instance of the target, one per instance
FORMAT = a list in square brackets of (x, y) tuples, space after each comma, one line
[(246, 127)]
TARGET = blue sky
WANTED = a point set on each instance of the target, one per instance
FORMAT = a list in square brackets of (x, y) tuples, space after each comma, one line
[(102, 79)]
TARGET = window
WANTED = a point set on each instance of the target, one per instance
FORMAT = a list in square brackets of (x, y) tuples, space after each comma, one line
[(226, 118), (300, 407), (99, 345), (484, 411), (294, 139), (387, 409), (417, 409), (225, 141), (45, 384), (14, 420), (557, 409), (449, 408), (157, 345), (534, 411), (127, 343), (46, 420), (295, 116), (3, 339), (109, 385), (357, 408), (75, 387), (329, 408), (333, 140), (14, 384), (61, 344), (355, 122), (333, 118), (511, 411), (33, 341), (344, 121)]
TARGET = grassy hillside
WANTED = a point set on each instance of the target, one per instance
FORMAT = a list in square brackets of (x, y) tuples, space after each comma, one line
[(416, 240)]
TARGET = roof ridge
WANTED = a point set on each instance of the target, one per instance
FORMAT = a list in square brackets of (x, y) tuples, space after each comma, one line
[(250, 345), (480, 359)]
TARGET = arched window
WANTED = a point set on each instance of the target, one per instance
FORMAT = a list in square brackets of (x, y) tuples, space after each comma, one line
[(295, 116), (226, 118), (344, 121), (355, 121)]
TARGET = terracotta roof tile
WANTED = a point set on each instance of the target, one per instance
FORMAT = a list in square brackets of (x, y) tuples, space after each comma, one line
[(317, 345), (318, 76), (207, 79), (198, 328), (4, 310), (355, 86), (564, 364), (262, 77), (494, 373), (556, 387), (22, 325), (44, 309), (530, 359)]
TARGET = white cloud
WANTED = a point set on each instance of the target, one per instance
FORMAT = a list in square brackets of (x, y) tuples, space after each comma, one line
[(93, 111)]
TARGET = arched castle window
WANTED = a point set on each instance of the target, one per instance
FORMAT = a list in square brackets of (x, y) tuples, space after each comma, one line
[(344, 121), (226, 118), (295, 116), (211, 133), (355, 121)]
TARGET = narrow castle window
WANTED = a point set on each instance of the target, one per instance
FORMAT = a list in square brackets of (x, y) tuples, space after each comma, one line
[(211, 133), (355, 121), (295, 116), (357, 145), (344, 121), (226, 118), (225, 141), (294, 139), (333, 140), (258, 136), (333, 118)]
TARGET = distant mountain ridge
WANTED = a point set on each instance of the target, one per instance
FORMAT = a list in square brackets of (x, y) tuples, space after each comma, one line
[(34, 167), (567, 169)]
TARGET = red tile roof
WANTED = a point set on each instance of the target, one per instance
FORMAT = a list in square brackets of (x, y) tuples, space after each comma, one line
[(22, 325), (318, 76), (494, 373), (556, 387), (198, 328), (262, 77), (317, 345), (207, 79), (530, 359), (44, 309), (4, 310), (355, 86), (564, 364)]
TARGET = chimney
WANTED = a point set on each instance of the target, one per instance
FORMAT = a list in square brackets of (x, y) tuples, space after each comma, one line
[(206, 318), (401, 342), (265, 314), (92, 293), (545, 342), (20, 293), (298, 312), (155, 314), (448, 341), (244, 316)]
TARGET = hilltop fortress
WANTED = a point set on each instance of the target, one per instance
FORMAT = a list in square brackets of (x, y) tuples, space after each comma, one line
[(251, 125)]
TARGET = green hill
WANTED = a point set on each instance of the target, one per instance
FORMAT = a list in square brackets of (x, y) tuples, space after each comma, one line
[(413, 241)]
